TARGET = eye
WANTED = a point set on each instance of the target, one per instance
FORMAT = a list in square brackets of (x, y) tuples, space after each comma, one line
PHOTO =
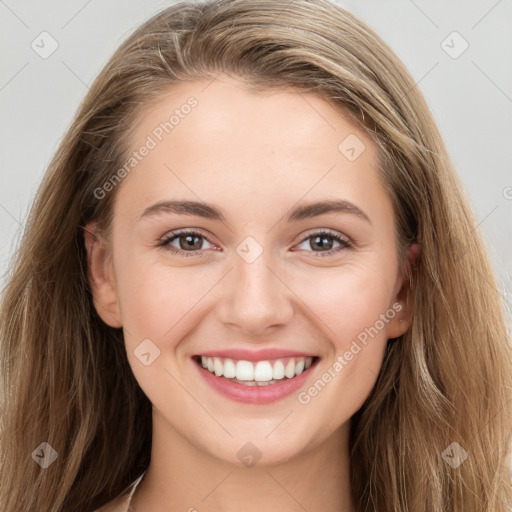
[(325, 239), (190, 242)]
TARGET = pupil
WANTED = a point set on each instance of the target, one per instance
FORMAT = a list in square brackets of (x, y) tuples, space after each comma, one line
[(190, 242), (319, 240)]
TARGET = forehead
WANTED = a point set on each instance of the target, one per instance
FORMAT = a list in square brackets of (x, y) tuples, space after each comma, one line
[(224, 107), (217, 141)]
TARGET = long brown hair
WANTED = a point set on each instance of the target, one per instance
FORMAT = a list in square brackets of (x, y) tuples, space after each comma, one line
[(448, 379)]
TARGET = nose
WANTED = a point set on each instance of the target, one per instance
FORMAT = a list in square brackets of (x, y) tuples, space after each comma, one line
[(256, 300)]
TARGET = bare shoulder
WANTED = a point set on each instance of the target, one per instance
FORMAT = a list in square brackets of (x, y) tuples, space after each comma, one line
[(118, 504)]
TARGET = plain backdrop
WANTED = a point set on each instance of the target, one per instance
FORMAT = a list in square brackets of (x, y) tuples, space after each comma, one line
[(459, 53)]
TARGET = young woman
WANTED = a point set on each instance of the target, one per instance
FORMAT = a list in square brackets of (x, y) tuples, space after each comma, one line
[(251, 280)]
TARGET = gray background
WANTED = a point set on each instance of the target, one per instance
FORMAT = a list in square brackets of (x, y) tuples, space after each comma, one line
[(470, 96)]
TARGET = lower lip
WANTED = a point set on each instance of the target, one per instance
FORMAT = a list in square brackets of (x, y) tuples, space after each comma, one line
[(256, 395)]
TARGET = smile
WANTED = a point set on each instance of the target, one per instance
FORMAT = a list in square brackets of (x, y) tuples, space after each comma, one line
[(260, 373), (255, 382)]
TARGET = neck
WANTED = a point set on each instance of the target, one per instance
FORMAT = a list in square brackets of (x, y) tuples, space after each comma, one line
[(183, 477)]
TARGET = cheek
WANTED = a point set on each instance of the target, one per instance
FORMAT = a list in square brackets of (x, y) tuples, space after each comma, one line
[(163, 304), (347, 301), (352, 366), (155, 299), (353, 306)]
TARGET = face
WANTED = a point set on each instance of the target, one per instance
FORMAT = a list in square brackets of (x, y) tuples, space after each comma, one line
[(248, 271)]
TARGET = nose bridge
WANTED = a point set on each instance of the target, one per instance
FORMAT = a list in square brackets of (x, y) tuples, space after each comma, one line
[(257, 298)]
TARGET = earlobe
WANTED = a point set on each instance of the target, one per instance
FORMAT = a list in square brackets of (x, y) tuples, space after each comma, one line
[(101, 277), (404, 303)]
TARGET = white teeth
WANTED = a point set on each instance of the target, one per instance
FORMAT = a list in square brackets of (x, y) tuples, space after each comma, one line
[(278, 370), (218, 366), (244, 370), (229, 369), (261, 373), (289, 371)]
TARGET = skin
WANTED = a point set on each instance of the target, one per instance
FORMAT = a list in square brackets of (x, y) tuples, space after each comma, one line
[(255, 156)]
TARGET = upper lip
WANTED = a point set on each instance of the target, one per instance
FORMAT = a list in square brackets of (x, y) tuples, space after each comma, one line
[(254, 355)]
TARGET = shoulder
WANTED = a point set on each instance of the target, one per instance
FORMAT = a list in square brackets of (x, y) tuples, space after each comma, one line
[(119, 504)]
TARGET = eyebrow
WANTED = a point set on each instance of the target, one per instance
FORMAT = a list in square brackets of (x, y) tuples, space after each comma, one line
[(207, 211)]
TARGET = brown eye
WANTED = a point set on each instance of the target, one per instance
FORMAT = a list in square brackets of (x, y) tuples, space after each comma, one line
[(190, 242), (323, 242)]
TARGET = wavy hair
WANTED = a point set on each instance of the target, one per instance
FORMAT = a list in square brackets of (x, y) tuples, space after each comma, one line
[(447, 380)]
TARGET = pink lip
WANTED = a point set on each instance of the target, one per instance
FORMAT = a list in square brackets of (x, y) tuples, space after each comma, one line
[(256, 395), (255, 355)]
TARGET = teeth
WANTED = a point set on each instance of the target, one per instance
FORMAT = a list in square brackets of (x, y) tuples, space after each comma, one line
[(218, 366), (244, 370), (278, 371), (261, 373), (229, 369), (255, 382), (289, 371)]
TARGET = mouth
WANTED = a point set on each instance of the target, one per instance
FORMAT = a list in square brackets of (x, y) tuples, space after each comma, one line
[(255, 382), (260, 373)]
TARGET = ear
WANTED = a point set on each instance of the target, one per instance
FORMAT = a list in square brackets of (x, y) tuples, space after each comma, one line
[(101, 277), (403, 301)]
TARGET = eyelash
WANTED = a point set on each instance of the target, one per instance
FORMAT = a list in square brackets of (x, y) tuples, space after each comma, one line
[(344, 243)]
